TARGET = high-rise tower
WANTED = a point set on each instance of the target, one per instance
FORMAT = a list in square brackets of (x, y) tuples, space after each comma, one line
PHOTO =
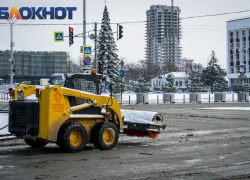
[(159, 34)]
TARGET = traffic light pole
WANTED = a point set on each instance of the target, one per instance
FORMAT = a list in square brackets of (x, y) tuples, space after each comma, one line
[(84, 26), (84, 22), (96, 46), (11, 53)]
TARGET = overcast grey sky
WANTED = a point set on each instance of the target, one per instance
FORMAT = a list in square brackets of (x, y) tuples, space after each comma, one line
[(199, 35)]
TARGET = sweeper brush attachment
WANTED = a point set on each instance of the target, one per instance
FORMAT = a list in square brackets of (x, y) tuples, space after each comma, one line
[(142, 123)]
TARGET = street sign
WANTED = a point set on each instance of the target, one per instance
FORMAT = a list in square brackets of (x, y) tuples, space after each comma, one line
[(87, 60), (130, 81), (87, 50), (153, 81), (58, 36), (160, 71), (121, 73)]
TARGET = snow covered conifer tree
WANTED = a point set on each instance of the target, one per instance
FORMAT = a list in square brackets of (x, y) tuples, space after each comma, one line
[(117, 87), (195, 85), (141, 86), (108, 61), (242, 85), (220, 84), (211, 71), (169, 87)]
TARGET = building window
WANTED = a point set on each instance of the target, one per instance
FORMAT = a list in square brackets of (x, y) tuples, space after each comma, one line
[(180, 83), (238, 69), (237, 57), (231, 69), (243, 33), (232, 45), (231, 35)]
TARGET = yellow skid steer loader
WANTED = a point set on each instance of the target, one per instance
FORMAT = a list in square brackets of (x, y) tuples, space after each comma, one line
[(70, 112)]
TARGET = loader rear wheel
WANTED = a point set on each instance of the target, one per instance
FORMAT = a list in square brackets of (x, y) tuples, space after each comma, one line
[(35, 144), (105, 135), (72, 137)]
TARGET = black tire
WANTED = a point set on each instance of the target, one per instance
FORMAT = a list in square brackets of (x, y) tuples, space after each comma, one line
[(98, 135), (72, 137), (35, 144)]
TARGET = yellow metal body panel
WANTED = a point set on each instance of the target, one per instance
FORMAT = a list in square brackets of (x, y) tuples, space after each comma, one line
[(55, 110), (27, 90)]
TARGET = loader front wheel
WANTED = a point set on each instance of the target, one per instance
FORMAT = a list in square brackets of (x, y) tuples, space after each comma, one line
[(35, 144), (105, 135), (72, 137)]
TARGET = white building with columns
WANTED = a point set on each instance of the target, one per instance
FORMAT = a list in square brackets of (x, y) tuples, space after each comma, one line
[(238, 48), (180, 79)]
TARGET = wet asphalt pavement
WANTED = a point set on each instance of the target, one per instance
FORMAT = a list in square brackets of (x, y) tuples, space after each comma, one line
[(197, 144)]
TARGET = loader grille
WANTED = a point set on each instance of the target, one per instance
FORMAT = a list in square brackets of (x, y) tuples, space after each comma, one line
[(23, 118), (19, 117)]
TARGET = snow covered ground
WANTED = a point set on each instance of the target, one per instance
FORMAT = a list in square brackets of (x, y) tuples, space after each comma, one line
[(3, 122), (179, 99), (228, 108)]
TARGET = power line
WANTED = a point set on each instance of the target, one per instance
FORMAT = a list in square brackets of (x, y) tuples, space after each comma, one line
[(215, 14)]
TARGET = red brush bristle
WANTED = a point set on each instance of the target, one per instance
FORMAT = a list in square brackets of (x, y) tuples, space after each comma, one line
[(139, 134), (152, 134), (127, 132)]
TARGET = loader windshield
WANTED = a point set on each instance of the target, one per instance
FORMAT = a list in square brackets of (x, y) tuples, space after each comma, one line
[(84, 85), (57, 81)]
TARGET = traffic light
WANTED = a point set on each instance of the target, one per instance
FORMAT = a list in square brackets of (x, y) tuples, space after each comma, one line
[(71, 36), (120, 31)]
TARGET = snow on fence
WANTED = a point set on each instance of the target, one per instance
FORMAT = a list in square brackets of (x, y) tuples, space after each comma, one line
[(179, 98), (4, 97)]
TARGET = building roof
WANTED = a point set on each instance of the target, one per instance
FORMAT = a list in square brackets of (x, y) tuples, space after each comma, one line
[(177, 74)]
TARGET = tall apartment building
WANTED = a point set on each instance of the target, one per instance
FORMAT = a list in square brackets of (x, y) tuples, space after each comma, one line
[(159, 34), (238, 48), (31, 65)]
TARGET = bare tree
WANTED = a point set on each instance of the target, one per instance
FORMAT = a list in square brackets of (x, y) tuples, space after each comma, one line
[(169, 67)]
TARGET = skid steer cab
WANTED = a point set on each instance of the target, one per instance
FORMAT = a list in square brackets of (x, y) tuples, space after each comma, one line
[(69, 111)]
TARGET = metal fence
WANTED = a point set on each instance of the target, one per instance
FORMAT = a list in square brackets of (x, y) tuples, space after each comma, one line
[(4, 97), (231, 97)]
